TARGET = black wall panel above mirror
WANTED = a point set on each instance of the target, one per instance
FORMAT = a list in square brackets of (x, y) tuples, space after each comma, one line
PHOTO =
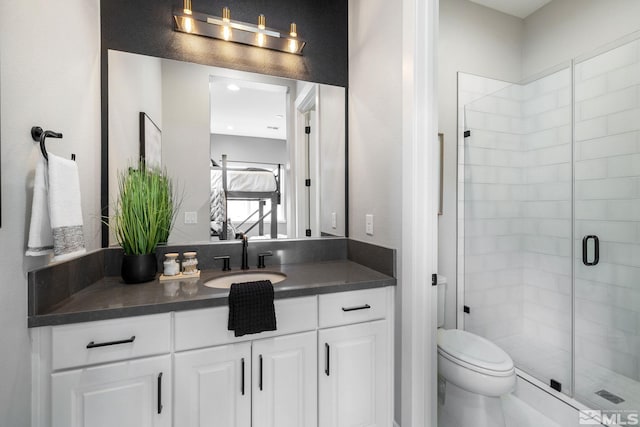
[(146, 27)]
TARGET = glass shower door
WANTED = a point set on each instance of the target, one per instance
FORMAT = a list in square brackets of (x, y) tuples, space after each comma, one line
[(518, 224), (607, 229)]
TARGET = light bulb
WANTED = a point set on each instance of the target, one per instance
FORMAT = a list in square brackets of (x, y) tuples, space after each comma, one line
[(261, 39), (188, 25), (293, 45), (186, 7), (226, 18), (262, 22), (226, 32)]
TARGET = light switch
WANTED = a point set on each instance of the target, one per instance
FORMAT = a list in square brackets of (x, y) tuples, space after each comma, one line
[(368, 224), (191, 217)]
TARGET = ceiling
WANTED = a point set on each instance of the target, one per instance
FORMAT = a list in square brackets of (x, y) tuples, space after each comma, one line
[(519, 8), (252, 109)]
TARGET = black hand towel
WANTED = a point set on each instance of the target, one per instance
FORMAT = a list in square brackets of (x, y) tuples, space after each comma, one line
[(251, 308)]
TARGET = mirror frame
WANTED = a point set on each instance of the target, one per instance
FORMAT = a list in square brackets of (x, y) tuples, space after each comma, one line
[(104, 150)]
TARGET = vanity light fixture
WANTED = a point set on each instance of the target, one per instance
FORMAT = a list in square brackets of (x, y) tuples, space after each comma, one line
[(224, 28), (261, 38), (226, 23), (187, 20)]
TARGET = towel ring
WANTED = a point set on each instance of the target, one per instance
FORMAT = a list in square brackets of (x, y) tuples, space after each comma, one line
[(40, 135)]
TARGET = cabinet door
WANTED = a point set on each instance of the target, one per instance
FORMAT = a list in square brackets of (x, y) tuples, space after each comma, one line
[(127, 394), (285, 381), (213, 387), (354, 372)]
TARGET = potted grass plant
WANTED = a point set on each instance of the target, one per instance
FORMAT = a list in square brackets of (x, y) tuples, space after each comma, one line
[(144, 216)]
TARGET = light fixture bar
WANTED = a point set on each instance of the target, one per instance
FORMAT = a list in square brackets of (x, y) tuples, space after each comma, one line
[(243, 32), (236, 25)]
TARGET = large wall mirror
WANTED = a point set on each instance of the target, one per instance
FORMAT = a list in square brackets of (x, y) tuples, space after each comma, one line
[(253, 154)]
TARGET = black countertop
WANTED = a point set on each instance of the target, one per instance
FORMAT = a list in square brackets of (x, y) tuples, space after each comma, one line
[(109, 297)]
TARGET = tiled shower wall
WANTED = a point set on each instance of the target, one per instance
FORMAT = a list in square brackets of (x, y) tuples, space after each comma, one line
[(607, 172)]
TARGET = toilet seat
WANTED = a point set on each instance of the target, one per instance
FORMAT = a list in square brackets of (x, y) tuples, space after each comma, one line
[(474, 352)]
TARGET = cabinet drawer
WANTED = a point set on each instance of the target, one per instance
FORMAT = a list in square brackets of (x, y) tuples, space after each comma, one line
[(343, 308), (110, 340), (208, 327)]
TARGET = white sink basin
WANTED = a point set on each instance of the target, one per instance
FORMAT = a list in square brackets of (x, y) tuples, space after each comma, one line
[(224, 282)]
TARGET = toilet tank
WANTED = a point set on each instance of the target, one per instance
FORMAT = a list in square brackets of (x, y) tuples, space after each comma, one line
[(442, 292)]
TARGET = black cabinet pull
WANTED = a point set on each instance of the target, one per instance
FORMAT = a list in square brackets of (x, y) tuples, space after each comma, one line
[(242, 377), (326, 359), (596, 254), (260, 377), (92, 344), (160, 393), (360, 307)]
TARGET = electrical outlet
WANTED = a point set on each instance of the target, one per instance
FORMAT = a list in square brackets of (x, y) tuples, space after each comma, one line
[(191, 217), (368, 224), (334, 220)]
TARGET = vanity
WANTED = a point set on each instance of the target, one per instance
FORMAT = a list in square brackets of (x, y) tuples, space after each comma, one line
[(162, 353)]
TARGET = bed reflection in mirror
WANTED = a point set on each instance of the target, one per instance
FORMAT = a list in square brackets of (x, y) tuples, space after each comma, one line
[(256, 155)]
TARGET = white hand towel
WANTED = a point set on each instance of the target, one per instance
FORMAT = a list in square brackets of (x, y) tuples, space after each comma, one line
[(40, 235), (65, 208)]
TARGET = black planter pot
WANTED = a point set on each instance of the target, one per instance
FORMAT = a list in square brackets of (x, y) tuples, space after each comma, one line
[(139, 268)]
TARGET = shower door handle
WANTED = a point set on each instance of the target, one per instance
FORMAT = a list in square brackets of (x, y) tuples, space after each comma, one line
[(596, 247)]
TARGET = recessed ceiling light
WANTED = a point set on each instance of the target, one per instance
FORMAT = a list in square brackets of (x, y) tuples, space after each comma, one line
[(233, 87), (279, 116), (273, 127), (229, 127)]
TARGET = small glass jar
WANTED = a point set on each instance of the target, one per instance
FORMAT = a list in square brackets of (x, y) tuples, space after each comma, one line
[(189, 263), (170, 264)]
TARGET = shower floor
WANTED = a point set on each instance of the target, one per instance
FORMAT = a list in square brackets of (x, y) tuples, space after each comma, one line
[(546, 363)]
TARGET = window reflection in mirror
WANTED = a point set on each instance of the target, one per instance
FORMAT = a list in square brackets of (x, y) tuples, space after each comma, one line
[(237, 143)]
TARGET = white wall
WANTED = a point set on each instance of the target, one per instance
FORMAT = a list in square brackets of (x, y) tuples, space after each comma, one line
[(332, 158), (135, 85), (475, 40), (564, 29), (375, 122), (375, 133), (185, 143), (247, 148), (50, 76)]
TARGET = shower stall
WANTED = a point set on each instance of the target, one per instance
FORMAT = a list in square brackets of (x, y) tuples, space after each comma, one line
[(549, 223)]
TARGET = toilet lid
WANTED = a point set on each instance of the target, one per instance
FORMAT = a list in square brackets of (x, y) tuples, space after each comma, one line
[(474, 350)]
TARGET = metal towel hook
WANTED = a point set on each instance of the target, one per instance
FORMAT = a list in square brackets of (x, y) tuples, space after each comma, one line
[(40, 135)]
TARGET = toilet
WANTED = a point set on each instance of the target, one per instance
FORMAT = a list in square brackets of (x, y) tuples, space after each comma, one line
[(473, 373)]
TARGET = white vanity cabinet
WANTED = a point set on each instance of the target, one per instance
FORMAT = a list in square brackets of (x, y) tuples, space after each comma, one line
[(328, 364), (355, 360), (353, 378), (105, 373), (133, 393), (213, 387), (269, 377), (285, 381), (272, 381)]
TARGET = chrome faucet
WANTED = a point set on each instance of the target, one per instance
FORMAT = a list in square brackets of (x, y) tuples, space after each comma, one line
[(245, 256)]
